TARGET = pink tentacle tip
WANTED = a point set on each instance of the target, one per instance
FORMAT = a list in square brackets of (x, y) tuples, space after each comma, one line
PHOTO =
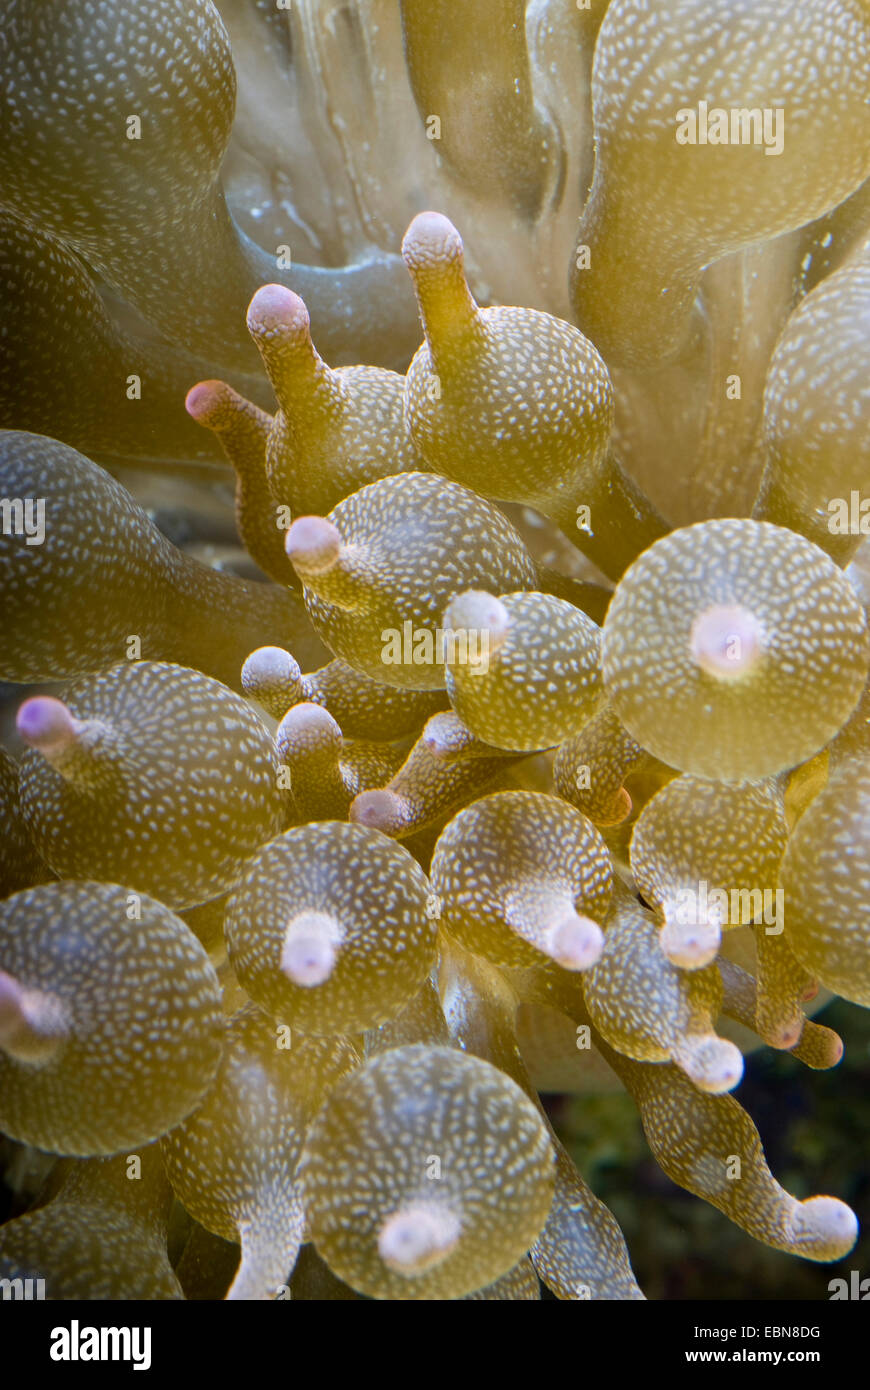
[(275, 309), (313, 544), (726, 641), (379, 809), (208, 401), (575, 943), (307, 726), (431, 238), (445, 735), (46, 724)]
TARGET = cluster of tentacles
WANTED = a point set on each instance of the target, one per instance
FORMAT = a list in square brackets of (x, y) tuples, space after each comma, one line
[(533, 726)]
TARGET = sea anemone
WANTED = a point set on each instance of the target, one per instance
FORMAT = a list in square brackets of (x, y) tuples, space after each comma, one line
[(501, 711)]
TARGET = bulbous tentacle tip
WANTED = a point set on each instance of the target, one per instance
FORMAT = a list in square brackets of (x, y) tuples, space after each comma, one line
[(575, 943), (46, 724), (269, 668), (822, 1228), (786, 1034), (619, 810), (313, 545), (307, 727), (32, 1024), (276, 311), (212, 403), (415, 1238), (445, 735), (714, 1064), (478, 611), (431, 240), (811, 991), (690, 946), (310, 948), (379, 809), (726, 641)]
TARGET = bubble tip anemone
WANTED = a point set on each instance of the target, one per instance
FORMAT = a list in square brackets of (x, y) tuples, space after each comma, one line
[(445, 735), (786, 1034), (617, 812)]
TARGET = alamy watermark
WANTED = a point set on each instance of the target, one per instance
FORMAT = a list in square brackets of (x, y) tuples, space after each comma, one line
[(849, 516), (441, 646), (732, 125), (23, 516), (735, 907), (77, 1343), (24, 1290)]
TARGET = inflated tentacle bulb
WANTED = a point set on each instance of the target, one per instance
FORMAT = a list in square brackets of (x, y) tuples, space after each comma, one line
[(364, 708), (524, 670), (706, 856), (649, 1009), (683, 99), (818, 1047), (233, 1162), (517, 405), (734, 649), (336, 429), (710, 1146), (331, 927), (446, 766), (66, 365), (817, 415), (152, 600), (149, 774), (379, 571), (102, 1236), (243, 430), (590, 769), (110, 1018), (826, 902), (464, 1175), (326, 770), (521, 876)]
